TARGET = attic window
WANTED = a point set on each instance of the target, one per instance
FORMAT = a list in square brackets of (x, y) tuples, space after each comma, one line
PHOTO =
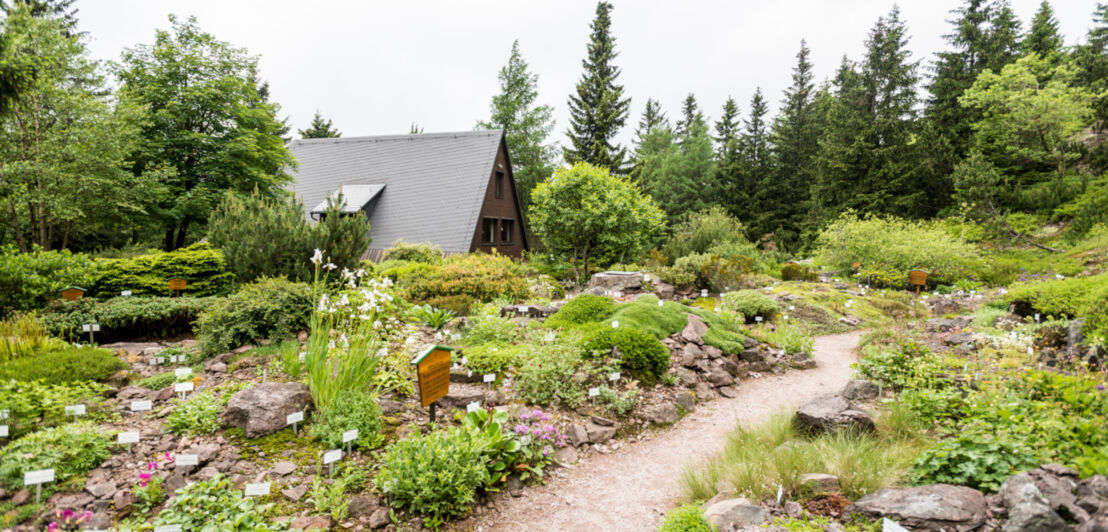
[(488, 231), (499, 185), (506, 231)]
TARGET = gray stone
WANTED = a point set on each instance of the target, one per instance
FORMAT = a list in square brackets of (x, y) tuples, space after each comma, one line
[(577, 435), (729, 366), (390, 407), (1057, 482), (719, 377), (959, 339), (284, 468), (925, 508), (728, 392), (749, 342), (613, 280), (794, 509), (379, 519), (735, 514), (801, 361), (311, 522), (694, 330), (514, 486), (850, 320), (663, 290), (1028, 510), (205, 452), (295, 493), (362, 506), (686, 377), (262, 410), (704, 392), (686, 401), (603, 421), (663, 414), (829, 413), (859, 390), (101, 490), (712, 351), (174, 482), (461, 395), (599, 433), (820, 483), (218, 367), (692, 351), (753, 354), (1099, 523), (566, 456), (1095, 486)]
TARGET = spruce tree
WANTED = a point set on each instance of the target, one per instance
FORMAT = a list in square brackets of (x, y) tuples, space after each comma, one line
[(1003, 45), (1092, 60), (727, 129), (652, 116), (757, 165), (685, 182), (526, 125), (319, 129), (598, 110), (1044, 38), (690, 112), (795, 144)]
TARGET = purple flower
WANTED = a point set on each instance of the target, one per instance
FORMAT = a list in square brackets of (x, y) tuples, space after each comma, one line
[(85, 516), (525, 416), (536, 431), (548, 428), (52, 526), (1100, 387), (144, 479), (545, 417), (521, 429)]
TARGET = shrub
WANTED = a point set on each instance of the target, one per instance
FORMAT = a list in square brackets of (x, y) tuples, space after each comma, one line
[(589, 214), (69, 450), (36, 403), (639, 351), (215, 504), (646, 315), (797, 272), (751, 303), (264, 237), (793, 340), (72, 364), (546, 374), (979, 461), (899, 245), (547, 287), (492, 358), (434, 475), (354, 410), (585, 308), (271, 308), (30, 280), (22, 335), (716, 272), (159, 381), (126, 317), (491, 329), (1069, 298), (148, 275), (197, 416), (679, 277), (700, 231), (435, 318), (687, 518), (424, 252), (463, 280)]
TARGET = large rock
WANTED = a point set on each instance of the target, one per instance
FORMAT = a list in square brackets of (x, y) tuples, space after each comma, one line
[(694, 330), (1028, 510), (616, 280), (925, 508), (461, 395), (599, 433), (663, 290), (829, 413), (820, 483), (663, 414), (263, 409), (735, 514), (858, 390)]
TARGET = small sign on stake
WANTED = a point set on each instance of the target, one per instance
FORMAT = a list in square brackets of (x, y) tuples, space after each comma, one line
[(473, 407), (660, 302), (140, 406), (615, 324), (125, 293), (168, 528), (182, 387), (5, 413), (593, 392), (257, 489), (348, 437), (75, 410), (329, 459), (703, 292), (758, 319), (127, 438), (38, 478), (614, 376), (182, 372), (3, 431), (488, 377), (293, 419), (90, 328), (780, 493), (183, 460)]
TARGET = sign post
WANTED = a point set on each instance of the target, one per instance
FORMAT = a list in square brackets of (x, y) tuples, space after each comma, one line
[(433, 369), (177, 284), (918, 279), (90, 328)]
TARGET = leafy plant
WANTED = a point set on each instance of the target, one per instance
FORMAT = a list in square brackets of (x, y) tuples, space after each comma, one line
[(797, 272), (71, 364), (751, 303), (686, 518), (148, 275), (976, 460), (215, 504), (461, 281), (495, 358), (22, 335), (69, 450), (703, 230), (356, 409), (197, 416), (35, 403), (425, 252), (125, 317), (434, 475), (545, 374), (329, 497), (585, 308), (30, 280), (270, 308), (434, 318), (793, 340), (620, 404), (159, 381), (639, 351)]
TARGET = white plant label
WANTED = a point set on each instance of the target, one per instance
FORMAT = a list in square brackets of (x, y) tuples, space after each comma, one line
[(125, 293), (331, 457), (90, 327), (659, 302), (792, 307), (182, 387), (489, 377), (127, 437), (786, 317), (780, 493), (646, 278), (168, 528), (524, 309), (302, 356), (525, 439), (615, 324), (888, 525), (758, 319), (703, 292), (613, 376), (159, 360), (75, 410), (1031, 350), (42, 476), (593, 392), (295, 417), (349, 436), (182, 372), (473, 407), (256, 490), (1037, 317), (3, 431), (4, 413), (187, 460), (139, 406)]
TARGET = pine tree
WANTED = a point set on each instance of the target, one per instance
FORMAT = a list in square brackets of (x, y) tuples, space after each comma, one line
[(727, 129), (795, 144), (652, 116), (598, 110), (1092, 60), (685, 181), (690, 112), (526, 125), (1044, 38), (756, 165), (319, 129)]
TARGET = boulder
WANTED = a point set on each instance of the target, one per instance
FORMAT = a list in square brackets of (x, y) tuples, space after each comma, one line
[(1028, 510), (1057, 482), (859, 390), (730, 367), (687, 401), (379, 519), (692, 352), (820, 483), (753, 354), (663, 290), (735, 514), (1099, 523), (295, 493), (311, 522), (362, 506), (829, 413), (599, 433), (694, 330), (566, 456), (663, 414), (959, 339), (262, 410), (850, 320), (461, 395), (925, 508), (283, 468), (719, 377), (577, 435), (704, 392), (728, 392), (614, 280)]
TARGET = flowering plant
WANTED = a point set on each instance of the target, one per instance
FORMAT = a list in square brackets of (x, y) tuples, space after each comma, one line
[(538, 437), (526, 448), (149, 492), (69, 519)]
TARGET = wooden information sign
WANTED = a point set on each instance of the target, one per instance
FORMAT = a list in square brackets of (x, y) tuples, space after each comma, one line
[(73, 293), (433, 369), (177, 284), (917, 278)]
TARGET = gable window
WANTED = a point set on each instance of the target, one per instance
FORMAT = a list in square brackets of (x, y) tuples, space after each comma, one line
[(506, 231), (499, 185), (488, 230)]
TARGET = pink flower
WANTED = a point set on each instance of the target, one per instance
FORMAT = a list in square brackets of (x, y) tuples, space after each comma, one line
[(52, 526), (145, 479), (167, 457), (85, 516), (525, 416)]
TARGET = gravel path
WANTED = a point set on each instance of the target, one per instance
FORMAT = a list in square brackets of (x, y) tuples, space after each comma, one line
[(630, 489)]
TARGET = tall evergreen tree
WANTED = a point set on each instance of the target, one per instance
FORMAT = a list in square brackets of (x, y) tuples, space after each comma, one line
[(1092, 60), (526, 125), (1003, 44), (598, 110), (756, 166), (685, 181), (690, 112), (727, 129), (1044, 37), (319, 129), (795, 144), (63, 10), (652, 116)]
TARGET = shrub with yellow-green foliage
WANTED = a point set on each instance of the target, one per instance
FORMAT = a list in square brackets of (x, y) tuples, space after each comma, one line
[(148, 275), (890, 247), (1078, 297), (460, 281)]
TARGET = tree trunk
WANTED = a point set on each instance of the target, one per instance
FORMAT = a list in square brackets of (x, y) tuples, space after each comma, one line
[(17, 228)]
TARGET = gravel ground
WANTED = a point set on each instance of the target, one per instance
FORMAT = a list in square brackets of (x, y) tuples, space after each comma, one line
[(631, 489)]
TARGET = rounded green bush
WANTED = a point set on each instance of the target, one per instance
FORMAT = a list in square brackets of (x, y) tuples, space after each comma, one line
[(585, 308), (424, 252), (751, 303), (434, 475), (687, 518), (68, 449), (72, 364), (639, 350), (349, 411), (272, 308)]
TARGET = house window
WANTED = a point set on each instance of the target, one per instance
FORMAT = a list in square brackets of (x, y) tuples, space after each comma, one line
[(488, 230), (506, 231), (499, 185)]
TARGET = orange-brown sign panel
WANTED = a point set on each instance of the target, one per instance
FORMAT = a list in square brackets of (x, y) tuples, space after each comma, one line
[(72, 293), (177, 283), (433, 369), (917, 277)]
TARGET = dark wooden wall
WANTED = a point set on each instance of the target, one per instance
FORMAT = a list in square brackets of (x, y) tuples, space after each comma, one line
[(504, 208)]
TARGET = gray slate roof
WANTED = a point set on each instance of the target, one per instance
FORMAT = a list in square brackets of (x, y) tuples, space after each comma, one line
[(435, 182)]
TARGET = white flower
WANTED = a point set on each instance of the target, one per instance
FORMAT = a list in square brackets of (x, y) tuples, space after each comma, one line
[(329, 266), (364, 317), (360, 273), (377, 324), (343, 301), (323, 303), (364, 307), (317, 257)]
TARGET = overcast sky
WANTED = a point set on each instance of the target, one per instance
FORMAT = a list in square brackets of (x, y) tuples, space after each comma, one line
[(374, 67)]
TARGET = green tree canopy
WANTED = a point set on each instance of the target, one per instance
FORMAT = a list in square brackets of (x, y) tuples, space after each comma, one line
[(319, 129)]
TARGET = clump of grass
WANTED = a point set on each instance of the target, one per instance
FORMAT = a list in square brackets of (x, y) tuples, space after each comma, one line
[(757, 460)]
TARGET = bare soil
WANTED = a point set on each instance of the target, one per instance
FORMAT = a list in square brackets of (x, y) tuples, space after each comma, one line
[(632, 488)]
